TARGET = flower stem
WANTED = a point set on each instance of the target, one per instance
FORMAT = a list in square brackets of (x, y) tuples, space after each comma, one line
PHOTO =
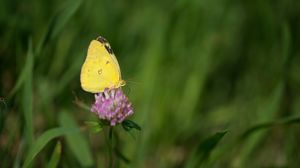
[(109, 144)]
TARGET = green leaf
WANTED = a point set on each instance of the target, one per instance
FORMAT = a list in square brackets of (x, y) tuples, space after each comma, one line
[(55, 156), (94, 126), (77, 142), (92, 123), (128, 125), (41, 142)]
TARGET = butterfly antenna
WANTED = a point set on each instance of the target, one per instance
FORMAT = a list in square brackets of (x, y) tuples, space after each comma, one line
[(127, 90), (133, 82)]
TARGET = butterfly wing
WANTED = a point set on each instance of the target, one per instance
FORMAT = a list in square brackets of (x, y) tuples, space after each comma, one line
[(110, 51), (100, 70)]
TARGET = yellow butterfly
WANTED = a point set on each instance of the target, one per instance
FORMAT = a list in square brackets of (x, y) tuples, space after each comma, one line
[(100, 69)]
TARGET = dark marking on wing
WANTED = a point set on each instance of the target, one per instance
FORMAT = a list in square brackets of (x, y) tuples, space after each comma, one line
[(99, 71), (102, 40), (106, 44), (107, 62), (108, 49)]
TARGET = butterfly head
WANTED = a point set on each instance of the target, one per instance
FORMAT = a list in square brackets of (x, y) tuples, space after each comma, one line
[(122, 83)]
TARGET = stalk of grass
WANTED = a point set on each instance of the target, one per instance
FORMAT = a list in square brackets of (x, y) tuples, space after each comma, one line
[(43, 140), (27, 95), (54, 160), (57, 23), (109, 145), (201, 153), (76, 141)]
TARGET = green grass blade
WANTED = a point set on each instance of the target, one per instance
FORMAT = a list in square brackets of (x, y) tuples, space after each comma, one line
[(42, 141), (64, 16), (27, 91), (266, 114), (69, 74), (25, 72), (58, 22), (202, 152), (77, 143), (267, 125), (17, 161), (55, 156)]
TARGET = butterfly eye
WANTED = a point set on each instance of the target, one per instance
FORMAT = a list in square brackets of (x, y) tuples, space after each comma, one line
[(100, 71)]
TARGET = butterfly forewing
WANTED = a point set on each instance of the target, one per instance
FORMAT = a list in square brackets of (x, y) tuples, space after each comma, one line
[(100, 69)]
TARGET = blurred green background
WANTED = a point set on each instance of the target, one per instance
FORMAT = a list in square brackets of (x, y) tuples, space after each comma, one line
[(213, 83)]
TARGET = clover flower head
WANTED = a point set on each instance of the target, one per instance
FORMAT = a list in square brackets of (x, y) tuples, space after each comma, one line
[(112, 105)]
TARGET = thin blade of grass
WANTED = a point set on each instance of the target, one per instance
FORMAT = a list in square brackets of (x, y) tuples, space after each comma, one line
[(267, 113), (55, 156), (25, 71), (69, 74), (43, 140), (267, 125), (274, 104), (17, 161), (64, 16), (202, 152), (57, 23), (120, 155), (27, 91), (77, 143)]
